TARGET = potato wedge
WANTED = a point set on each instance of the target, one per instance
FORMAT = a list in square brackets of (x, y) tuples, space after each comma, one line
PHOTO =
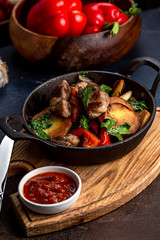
[(144, 116), (60, 125), (46, 110), (122, 114), (122, 101)]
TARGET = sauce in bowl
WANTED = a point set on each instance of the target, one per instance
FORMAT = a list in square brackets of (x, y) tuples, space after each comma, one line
[(49, 187)]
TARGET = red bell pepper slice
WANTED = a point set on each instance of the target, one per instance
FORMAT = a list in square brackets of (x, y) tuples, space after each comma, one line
[(104, 137), (74, 91), (90, 140), (75, 104), (94, 125), (78, 132)]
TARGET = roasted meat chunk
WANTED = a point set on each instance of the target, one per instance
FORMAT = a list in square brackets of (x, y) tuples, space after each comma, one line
[(60, 107), (63, 90), (97, 103), (68, 140)]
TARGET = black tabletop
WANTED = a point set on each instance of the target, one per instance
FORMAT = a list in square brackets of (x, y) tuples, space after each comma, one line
[(138, 219)]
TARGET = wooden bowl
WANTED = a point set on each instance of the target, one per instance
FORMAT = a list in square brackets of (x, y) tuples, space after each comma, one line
[(75, 53)]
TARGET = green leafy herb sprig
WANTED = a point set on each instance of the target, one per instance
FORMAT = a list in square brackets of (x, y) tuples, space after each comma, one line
[(138, 105), (85, 94), (84, 121), (105, 88), (40, 124), (110, 124)]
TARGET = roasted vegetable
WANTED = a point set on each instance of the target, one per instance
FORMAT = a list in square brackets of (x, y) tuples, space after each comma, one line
[(90, 140), (120, 100), (118, 88), (126, 96), (122, 115), (104, 137), (48, 126), (144, 116)]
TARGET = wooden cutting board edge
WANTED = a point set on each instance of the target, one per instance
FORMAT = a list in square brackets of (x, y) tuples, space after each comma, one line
[(97, 208)]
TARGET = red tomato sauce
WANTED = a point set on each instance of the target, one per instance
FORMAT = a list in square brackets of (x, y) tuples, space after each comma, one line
[(49, 188)]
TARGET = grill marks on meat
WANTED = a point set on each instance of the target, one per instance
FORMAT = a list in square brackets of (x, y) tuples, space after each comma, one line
[(97, 104), (59, 105), (68, 140)]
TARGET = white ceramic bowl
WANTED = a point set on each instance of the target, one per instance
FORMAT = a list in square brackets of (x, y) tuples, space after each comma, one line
[(50, 208)]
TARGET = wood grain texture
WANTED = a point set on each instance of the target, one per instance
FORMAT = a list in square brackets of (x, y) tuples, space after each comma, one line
[(105, 187)]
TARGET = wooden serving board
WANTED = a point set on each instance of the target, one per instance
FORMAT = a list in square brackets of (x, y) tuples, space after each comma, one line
[(105, 187)]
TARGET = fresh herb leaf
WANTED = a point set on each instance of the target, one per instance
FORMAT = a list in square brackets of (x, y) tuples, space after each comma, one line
[(118, 131), (114, 132), (124, 128), (138, 105), (41, 123), (84, 74), (110, 124), (85, 94), (105, 88), (84, 121), (42, 134)]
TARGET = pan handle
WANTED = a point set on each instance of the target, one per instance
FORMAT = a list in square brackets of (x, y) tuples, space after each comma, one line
[(5, 123), (129, 69)]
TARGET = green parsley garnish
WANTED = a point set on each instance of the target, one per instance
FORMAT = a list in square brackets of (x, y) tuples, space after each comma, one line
[(138, 105), (85, 94), (40, 124), (84, 121), (105, 88), (110, 124)]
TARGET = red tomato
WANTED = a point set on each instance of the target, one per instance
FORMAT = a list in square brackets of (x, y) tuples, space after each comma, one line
[(91, 29), (77, 21), (57, 18), (75, 5), (58, 25)]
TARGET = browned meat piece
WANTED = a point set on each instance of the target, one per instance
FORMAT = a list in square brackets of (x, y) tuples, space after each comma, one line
[(97, 103), (84, 83), (68, 140), (63, 90), (60, 107)]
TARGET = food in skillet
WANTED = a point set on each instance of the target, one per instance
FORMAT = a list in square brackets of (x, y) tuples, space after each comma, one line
[(89, 115)]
